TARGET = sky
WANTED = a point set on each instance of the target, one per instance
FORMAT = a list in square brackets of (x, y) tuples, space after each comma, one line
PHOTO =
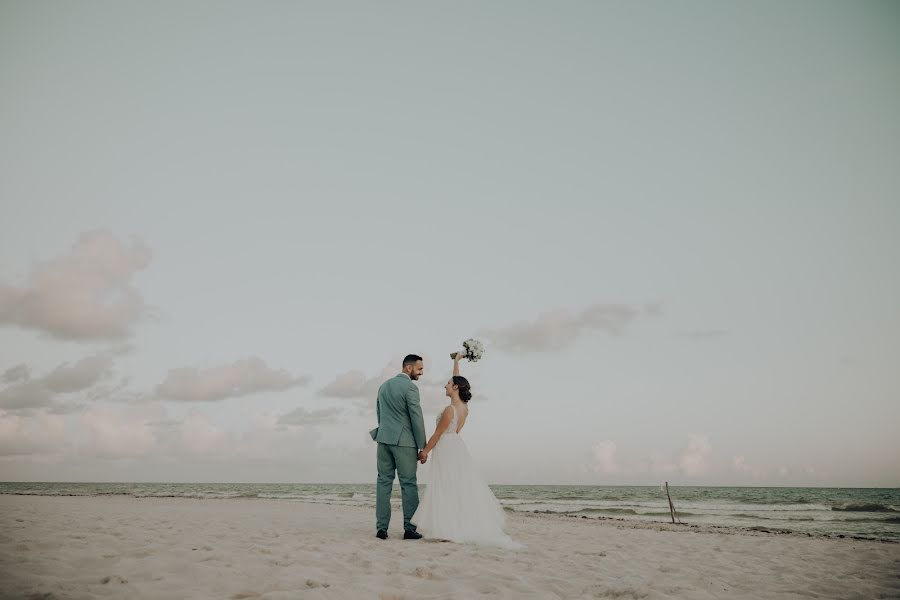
[(674, 226)]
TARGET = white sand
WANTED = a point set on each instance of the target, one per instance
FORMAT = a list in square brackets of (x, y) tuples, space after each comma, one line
[(122, 547)]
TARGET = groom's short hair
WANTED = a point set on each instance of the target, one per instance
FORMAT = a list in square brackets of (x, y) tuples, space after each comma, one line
[(411, 359)]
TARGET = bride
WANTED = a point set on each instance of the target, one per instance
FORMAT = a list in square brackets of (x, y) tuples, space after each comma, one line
[(457, 504)]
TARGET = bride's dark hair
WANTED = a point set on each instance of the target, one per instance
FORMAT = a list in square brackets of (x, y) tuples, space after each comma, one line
[(465, 390)]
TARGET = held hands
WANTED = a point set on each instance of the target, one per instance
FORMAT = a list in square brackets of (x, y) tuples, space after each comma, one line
[(423, 456)]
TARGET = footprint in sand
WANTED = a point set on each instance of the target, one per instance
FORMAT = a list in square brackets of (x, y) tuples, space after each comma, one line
[(425, 573), (113, 579), (312, 583), (281, 563), (212, 557)]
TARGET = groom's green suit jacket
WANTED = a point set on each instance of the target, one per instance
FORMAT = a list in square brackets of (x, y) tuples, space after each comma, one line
[(399, 413)]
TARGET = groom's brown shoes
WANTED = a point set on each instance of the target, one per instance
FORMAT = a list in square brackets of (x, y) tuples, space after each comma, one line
[(381, 535), (412, 535)]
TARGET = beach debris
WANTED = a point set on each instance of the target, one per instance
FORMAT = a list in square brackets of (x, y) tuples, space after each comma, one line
[(425, 573), (671, 506)]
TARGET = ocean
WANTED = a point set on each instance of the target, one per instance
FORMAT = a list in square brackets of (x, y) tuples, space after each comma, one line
[(852, 512)]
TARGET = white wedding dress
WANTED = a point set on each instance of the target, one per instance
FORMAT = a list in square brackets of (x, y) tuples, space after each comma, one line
[(457, 504)]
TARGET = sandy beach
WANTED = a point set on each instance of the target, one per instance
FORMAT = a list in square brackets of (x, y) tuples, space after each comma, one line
[(123, 547)]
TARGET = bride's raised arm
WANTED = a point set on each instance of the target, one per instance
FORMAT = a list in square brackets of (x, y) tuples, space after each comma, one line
[(446, 417)]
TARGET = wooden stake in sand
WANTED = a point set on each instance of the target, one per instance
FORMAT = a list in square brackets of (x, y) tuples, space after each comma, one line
[(671, 506)]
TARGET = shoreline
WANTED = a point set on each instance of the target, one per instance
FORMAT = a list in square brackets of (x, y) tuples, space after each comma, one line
[(119, 546), (622, 521), (554, 485)]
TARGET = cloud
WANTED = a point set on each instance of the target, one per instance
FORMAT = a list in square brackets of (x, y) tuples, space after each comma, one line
[(82, 375), (301, 416), (85, 294), (115, 432), (353, 384), (739, 463), (659, 464), (240, 378), (17, 373), (691, 461), (118, 432), (557, 329), (65, 408), (695, 458), (30, 394), (112, 432), (116, 391), (603, 454), (41, 434), (120, 441), (200, 436), (27, 395)]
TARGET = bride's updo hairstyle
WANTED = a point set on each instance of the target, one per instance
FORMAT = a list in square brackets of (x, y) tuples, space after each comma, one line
[(465, 390)]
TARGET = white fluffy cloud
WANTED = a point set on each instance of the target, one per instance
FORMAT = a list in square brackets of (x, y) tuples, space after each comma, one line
[(240, 378), (85, 294), (557, 329)]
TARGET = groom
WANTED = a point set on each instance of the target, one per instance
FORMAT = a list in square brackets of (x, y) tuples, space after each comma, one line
[(400, 435)]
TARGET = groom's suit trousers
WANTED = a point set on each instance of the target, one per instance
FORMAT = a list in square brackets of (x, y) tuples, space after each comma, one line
[(404, 461)]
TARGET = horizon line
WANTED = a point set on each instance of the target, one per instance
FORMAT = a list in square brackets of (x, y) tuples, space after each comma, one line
[(832, 487)]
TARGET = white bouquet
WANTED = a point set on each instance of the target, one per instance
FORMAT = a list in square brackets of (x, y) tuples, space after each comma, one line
[(473, 350)]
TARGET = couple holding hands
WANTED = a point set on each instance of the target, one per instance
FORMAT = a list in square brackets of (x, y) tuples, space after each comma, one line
[(457, 504)]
